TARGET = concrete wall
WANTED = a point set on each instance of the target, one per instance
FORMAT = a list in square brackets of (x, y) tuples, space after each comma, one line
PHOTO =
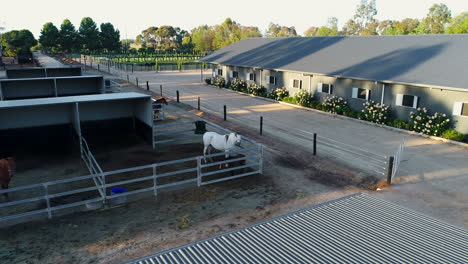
[(435, 100), (42, 72), (50, 87)]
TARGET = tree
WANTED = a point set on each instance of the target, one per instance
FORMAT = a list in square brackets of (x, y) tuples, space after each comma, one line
[(310, 32), (458, 25), (17, 42), (166, 37), (109, 37), (275, 30), (202, 38), (89, 34), (363, 21), (331, 29), (49, 37), (68, 37), (437, 18)]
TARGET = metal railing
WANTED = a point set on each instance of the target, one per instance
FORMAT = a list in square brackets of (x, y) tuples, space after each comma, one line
[(398, 157), (93, 166)]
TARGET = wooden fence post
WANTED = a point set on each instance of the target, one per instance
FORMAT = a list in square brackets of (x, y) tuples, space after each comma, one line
[(177, 92), (198, 103), (261, 125), (147, 86), (160, 88), (390, 170), (315, 144), (225, 114)]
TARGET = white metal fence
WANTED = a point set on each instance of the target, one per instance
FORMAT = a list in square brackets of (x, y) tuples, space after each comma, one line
[(95, 189), (398, 157)]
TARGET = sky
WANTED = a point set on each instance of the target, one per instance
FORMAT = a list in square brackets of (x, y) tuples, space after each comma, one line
[(131, 17)]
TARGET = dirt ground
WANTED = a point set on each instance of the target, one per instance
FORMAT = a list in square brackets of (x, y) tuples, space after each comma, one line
[(293, 179)]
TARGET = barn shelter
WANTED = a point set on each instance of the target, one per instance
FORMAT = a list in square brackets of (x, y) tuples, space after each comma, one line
[(28, 88), (359, 228), (39, 72), (46, 122)]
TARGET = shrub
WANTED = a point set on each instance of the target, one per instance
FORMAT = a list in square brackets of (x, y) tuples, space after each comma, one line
[(256, 89), (400, 123), (219, 82), (303, 98), (433, 125), (334, 104), (208, 80), (453, 135), (290, 100), (350, 112), (238, 85), (280, 93), (376, 113)]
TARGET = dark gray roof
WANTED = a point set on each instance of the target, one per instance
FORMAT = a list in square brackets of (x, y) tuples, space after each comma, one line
[(438, 60), (355, 229)]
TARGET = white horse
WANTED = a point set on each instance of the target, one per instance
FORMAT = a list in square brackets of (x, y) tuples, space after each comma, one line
[(220, 142)]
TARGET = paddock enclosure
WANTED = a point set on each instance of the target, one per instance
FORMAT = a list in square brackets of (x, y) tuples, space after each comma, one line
[(39, 72), (27, 88), (118, 139)]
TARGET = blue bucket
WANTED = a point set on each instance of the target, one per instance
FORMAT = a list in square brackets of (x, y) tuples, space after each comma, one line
[(121, 199)]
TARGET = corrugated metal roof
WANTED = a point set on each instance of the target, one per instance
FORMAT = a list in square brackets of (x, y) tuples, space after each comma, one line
[(71, 99), (438, 60), (355, 229)]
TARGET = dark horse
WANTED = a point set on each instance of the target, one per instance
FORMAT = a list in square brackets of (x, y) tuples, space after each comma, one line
[(157, 105), (7, 170)]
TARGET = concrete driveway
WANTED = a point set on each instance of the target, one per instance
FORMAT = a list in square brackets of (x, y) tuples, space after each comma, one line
[(432, 176)]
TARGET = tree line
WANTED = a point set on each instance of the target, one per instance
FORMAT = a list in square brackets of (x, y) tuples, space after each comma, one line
[(88, 38)]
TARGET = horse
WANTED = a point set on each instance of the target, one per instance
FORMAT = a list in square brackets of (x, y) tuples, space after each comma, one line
[(157, 105), (220, 142), (7, 171)]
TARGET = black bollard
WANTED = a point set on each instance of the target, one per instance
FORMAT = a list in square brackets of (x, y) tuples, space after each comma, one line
[(147, 86), (225, 115), (315, 144), (261, 125), (177, 95), (199, 103), (160, 88)]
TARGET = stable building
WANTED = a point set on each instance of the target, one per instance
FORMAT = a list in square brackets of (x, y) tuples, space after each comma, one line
[(404, 72)]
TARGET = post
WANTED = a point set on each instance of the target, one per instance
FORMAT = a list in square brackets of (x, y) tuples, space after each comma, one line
[(177, 92), (160, 88), (261, 160), (98, 68), (201, 74), (390, 170), (46, 197), (132, 68), (225, 116), (128, 79), (136, 81), (147, 86), (198, 103), (108, 67), (261, 125), (315, 144), (155, 182), (199, 172)]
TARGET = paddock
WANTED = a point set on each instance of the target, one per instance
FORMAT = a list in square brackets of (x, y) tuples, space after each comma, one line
[(28, 88), (39, 72), (133, 158)]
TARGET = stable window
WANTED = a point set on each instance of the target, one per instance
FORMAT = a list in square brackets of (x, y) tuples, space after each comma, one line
[(271, 79), (233, 74), (407, 100), (460, 109), (252, 77), (220, 72), (296, 84), (359, 93), (324, 88)]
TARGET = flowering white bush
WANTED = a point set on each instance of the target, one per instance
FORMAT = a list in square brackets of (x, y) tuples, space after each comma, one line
[(238, 85), (303, 98), (433, 125), (280, 93), (334, 104), (219, 82), (376, 113), (256, 89)]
